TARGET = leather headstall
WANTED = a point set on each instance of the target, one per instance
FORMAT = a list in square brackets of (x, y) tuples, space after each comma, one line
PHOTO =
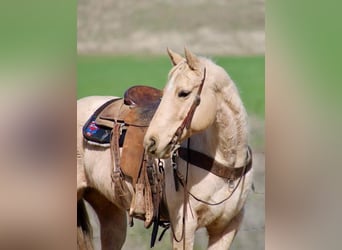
[(187, 120)]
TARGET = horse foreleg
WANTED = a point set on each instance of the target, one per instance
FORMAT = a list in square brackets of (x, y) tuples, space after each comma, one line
[(220, 238), (183, 238), (113, 221), (189, 238)]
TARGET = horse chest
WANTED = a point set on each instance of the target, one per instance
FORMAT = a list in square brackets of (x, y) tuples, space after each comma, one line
[(205, 215)]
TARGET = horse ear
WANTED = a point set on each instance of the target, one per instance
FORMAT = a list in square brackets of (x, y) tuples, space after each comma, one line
[(175, 58), (191, 59)]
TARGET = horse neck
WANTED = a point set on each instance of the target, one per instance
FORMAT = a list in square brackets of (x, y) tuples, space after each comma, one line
[(226, 139)]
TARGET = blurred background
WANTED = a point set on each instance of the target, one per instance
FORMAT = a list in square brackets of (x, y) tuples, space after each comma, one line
[(123, 43), (221, 27), (38, 67)]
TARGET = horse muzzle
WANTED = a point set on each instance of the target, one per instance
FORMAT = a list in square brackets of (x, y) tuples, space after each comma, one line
[(154, 148), (151, 144)]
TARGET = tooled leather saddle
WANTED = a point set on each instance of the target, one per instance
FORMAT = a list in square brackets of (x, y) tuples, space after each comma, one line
[(123, 123)]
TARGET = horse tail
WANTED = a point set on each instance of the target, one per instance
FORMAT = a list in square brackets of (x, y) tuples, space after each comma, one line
[(84, 230)]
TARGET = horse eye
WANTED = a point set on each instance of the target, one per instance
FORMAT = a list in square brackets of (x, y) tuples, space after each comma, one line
[(183, 93)]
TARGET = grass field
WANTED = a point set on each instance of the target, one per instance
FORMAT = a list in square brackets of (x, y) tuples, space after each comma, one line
[(106, 75)]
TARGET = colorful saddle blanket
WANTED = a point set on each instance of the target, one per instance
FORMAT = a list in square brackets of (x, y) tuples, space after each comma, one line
[(99, 134)]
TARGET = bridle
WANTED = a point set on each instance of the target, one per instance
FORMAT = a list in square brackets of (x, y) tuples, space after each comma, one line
[(175, 143), (187, 120)]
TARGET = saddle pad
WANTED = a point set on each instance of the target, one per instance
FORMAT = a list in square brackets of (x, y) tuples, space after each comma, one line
[(98, 134), (95, 133)]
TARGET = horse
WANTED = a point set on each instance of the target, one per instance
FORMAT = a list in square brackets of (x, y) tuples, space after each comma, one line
[(201, 102), (94, 184)]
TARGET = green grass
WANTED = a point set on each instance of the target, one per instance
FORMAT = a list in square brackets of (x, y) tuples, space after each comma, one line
[(111, 75), (248, 73)]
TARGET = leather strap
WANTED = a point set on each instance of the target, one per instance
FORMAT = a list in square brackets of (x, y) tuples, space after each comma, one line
[(120, 187), (115, 148), (207, 163), (132, 152), (187, 120)]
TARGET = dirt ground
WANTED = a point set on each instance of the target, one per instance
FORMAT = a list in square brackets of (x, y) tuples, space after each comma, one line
[(234, 27)]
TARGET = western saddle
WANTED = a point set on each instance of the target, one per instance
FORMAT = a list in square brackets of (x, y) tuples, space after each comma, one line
[(130, 117)]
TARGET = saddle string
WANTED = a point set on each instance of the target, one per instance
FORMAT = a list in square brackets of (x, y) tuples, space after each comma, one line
[(115, 152), (120, 187), (115, 149)]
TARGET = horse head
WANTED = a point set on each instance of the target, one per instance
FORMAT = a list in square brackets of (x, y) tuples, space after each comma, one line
[(188, 104)]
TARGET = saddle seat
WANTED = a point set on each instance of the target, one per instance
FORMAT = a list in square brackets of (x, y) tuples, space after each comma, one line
[(136, 109), (142, 96)]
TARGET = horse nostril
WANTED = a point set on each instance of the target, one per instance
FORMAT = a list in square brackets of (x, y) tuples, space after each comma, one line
[(152, 145)]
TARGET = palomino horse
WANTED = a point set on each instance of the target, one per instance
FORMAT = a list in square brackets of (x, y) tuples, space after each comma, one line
[(200, 100), (94, 184)]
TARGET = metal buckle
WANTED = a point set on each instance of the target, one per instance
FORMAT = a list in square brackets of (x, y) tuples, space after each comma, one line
[(121, 128), (231, 184), (173, 160), (160, 166)]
